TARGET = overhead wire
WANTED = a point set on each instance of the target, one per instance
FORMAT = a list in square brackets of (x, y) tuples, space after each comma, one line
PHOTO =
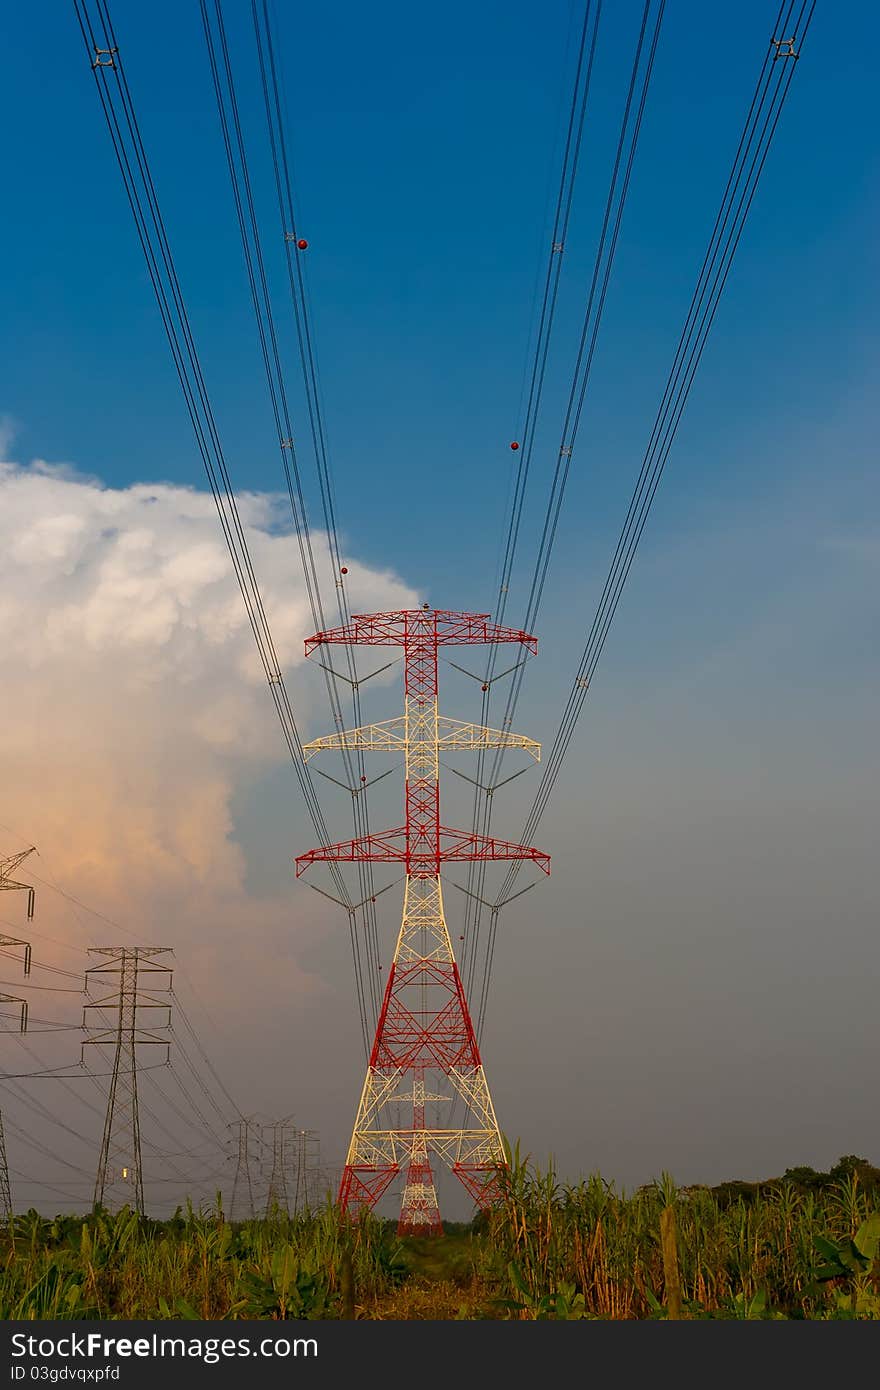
[(57, 1074), (536, 376), (271, 75), (261, 297), (761, 122), (644, 55), (120, 116)]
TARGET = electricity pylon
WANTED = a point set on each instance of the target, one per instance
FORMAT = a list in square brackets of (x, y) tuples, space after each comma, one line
[(7, 882), (120, 1177), (308, 1170), (241, 1204), (424, 1025), (277, 1199), (5, 1189), (420, 1212)]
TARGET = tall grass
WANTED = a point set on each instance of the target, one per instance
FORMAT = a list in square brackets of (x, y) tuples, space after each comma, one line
[(545, 1250), (755, 1253), (198, 1265)]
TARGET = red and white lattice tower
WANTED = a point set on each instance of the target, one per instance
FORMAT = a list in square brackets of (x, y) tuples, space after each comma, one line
[(424, 1027)]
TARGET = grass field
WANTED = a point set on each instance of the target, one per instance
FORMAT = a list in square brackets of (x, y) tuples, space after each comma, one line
[(806, 1245)]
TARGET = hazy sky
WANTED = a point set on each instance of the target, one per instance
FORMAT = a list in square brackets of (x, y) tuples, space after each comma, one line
[(695, 987)]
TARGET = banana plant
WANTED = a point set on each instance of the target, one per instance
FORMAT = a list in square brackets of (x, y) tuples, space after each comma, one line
[(854, 1255), (855, 1260), (564, 1304)]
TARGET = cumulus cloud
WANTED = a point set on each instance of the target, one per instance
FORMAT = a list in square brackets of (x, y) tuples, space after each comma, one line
[(133, 702)]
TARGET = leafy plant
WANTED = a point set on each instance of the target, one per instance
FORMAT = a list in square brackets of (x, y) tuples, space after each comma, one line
[(285, 1288)]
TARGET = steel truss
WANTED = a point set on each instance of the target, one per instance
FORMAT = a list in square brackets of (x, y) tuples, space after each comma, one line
[(424, 1028)]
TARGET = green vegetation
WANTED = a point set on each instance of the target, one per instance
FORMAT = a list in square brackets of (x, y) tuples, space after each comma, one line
[(806, 1245)]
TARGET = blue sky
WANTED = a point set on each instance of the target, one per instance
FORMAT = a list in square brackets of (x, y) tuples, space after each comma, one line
[(738, 687), (424, 156)]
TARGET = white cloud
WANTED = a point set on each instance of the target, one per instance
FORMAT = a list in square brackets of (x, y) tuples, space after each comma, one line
[(133, 702)]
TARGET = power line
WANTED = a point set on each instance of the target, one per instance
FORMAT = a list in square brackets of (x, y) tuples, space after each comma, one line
[(761, 122), (358, 781), (627, 143), (249, 231), (118, 109)]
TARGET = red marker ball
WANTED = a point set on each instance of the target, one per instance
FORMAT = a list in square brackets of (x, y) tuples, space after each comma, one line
[(302, 244), (344, 570), (484, 687), (514, 446)]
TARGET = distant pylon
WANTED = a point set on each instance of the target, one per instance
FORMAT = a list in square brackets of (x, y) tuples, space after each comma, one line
[(419, 1209), (241, 1205), (7, 882), (425, 1024), (277, 1199), (120, 1178), (5, 1191), (307, 1170), (6, 868)]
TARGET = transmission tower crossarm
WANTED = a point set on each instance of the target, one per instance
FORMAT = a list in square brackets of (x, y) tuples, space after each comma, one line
[(458, 735), (453, 735), (390, 846), (26, 947), (388, 736), (451, 629), (8, 883)]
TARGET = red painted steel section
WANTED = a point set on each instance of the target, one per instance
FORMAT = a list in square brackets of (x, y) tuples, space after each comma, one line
[(389, 846), (452, 630)]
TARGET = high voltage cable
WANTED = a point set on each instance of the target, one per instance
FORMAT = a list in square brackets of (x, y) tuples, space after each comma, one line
[(537, 374), (248, 223), (39, 1109), (270, 82), (39, 965), (627, 144), (78, 1098), (24, 1138), (536, 377), (199, 1123), (763, 116), (178, 1012), (118, 109), (151, 1114), (526, 435), (213, 1138), (43, 1111), (52, 989), (199, 1080)]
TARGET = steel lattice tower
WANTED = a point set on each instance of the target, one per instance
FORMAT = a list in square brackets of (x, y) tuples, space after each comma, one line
[(120, 1178), (277, 1199), (306, 1182), (424, 1026), (6, 882), (5, 1190), (242, 1189)]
